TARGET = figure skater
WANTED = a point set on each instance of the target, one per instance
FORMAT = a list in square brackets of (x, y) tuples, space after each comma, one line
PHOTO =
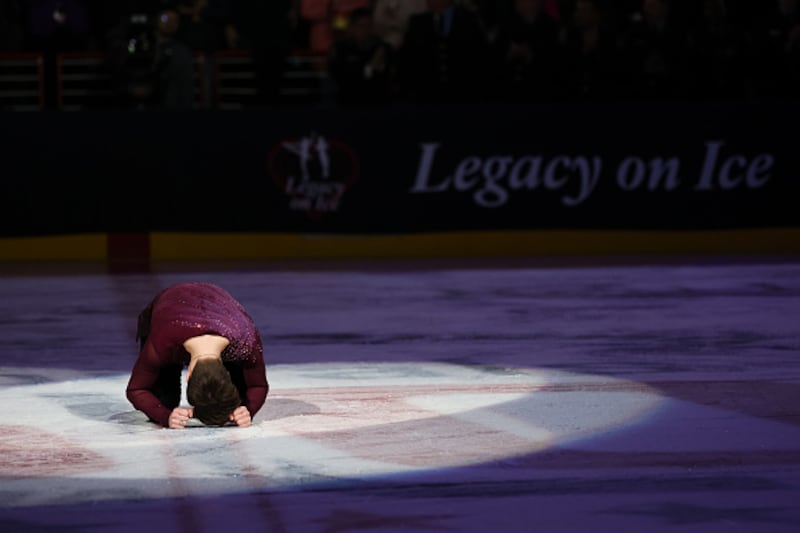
[(201, 326)]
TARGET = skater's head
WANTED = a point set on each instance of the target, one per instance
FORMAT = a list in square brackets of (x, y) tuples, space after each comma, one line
[(211, 392)]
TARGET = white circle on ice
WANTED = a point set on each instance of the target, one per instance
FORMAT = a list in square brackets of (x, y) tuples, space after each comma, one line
[(81, 439)]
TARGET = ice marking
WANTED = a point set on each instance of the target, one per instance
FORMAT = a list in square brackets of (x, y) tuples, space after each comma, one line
[(356, 421)]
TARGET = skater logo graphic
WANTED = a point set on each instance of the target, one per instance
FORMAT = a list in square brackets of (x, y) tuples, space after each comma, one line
[(314, 172)]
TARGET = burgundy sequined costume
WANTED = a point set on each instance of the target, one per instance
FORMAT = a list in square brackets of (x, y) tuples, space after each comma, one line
[(176, 314)]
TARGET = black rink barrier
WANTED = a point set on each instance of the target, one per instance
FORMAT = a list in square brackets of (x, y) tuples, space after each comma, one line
[(401, 170)]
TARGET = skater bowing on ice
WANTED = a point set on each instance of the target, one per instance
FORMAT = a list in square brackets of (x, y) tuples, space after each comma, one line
[(201, 326)]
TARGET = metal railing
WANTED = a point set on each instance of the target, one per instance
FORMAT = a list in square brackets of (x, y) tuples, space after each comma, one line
[(22, 82), (84, 80), (236, 82)]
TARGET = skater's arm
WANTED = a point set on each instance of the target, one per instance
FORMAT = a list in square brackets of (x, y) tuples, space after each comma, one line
[(143, 378), (255, 378)]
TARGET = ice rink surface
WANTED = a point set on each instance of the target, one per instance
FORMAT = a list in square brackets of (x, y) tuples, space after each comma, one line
[(579, 397)]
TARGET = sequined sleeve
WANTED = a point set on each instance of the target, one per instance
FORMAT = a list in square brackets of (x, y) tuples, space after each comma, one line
[(255, 379), (143, 377)]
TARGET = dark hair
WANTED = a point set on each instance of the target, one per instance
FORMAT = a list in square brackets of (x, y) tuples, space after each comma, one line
[(212, 393)]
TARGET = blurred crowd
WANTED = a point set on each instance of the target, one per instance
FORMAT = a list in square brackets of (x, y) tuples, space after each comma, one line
[(441, 51)]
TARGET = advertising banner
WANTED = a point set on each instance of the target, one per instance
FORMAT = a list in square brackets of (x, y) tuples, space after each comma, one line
[(400, 170)]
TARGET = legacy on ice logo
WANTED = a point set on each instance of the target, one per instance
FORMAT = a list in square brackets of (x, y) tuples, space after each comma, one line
[(314, 171)]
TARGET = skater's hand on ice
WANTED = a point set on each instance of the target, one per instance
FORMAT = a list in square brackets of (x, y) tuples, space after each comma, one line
[(241, 416), (179, 417)]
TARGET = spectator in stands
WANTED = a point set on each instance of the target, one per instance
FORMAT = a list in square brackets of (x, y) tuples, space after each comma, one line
[(527, 53), (173, 66), (57, 26), (719, 51), (328, 21), (553, 8), (219, 15), (362, 64), (777, 51), (391, 18), (199, 32), (444, 55), (265, 28), (131, 44), (655, 50), (748, 13), (792, 48), (13, 19), (110, 21), (589, 68), (622, 12), (494, 12), (194, 29)]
